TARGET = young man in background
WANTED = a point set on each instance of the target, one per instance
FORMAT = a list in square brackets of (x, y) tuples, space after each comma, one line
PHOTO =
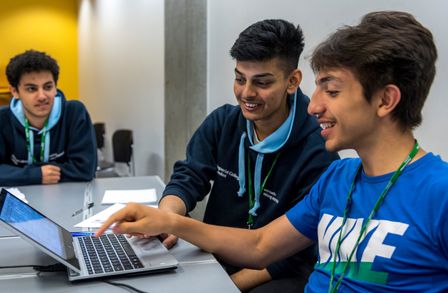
[(44, 139)]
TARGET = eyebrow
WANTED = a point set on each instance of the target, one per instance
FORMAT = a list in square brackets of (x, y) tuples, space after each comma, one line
[(33, 84), (267, 74), (326, 79)]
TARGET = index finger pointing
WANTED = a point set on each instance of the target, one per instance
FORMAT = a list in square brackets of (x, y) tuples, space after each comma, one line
[(116, 217)]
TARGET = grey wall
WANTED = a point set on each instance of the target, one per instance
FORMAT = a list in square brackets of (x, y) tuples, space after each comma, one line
[(226, 19), (121, 73)]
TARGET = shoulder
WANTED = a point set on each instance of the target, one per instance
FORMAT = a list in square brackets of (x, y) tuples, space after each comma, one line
[(5, 115), (224, 114), (4, 110), (433, 170), (75, 105), (343, 167), (226, 110)]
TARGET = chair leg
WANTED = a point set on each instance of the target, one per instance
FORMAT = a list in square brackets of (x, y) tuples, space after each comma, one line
[(133, 165)]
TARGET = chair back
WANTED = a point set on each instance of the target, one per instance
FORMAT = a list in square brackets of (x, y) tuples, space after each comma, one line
[(100, 131), (122, 142)]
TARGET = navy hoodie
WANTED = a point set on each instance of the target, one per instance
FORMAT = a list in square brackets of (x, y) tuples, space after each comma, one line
[(211, 166), (72, 147)]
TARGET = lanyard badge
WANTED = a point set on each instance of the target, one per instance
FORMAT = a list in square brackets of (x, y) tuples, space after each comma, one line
[(29, 142), (250, 219)]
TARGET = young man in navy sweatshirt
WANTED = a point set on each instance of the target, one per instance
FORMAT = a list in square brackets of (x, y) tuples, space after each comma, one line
[(44, 139), (262, 156)]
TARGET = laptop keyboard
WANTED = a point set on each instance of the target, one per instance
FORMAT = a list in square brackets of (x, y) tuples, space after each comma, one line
[(108, 253)]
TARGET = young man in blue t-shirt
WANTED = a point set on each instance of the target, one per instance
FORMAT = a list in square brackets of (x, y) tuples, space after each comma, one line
[(379, 220)]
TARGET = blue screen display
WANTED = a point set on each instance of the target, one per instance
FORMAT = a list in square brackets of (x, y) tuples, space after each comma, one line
[(36, 226)]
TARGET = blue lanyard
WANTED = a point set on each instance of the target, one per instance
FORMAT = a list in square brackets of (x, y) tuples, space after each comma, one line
[(377, 205), (42, 141)]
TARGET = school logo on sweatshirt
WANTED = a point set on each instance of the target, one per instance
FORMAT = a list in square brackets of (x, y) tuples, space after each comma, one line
[(371, 245)]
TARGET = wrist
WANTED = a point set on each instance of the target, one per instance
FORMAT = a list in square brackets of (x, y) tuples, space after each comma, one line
[(172, 222)]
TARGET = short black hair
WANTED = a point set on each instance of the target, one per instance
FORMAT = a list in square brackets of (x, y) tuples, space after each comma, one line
[(387, 47), (30, 61), (268, 39)]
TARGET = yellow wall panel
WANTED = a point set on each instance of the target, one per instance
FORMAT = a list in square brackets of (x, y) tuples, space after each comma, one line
[(44, 25)]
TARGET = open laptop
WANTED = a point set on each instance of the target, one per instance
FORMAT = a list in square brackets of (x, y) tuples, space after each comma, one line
[(85, 257)]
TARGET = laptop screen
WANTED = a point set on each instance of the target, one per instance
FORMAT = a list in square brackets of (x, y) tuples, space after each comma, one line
[(35, 226)]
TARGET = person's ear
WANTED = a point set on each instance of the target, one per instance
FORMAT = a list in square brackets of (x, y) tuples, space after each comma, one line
[(294, 80), (388, 99), (14, 91)]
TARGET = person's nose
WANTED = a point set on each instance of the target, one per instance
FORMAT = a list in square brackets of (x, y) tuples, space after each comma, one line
[(41, 94), (248, 91), (316, 106)]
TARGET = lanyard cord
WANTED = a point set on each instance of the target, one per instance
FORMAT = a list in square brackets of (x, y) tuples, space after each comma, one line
[(42, 140), (250, 220), (391, 182)]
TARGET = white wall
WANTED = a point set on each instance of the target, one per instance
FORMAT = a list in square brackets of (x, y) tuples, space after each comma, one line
[(121, 73), (226, 19)]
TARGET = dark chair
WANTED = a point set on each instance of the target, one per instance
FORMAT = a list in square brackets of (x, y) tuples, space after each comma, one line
[(122, 145), (100, 132)]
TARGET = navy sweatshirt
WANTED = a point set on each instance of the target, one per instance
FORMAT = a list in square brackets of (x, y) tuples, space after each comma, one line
[(72, 147), (212, 156)]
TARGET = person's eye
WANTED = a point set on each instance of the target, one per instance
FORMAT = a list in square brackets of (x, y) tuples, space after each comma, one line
[(263, 84), (240, 80), (332, 94), (48, 87), (30, 89)]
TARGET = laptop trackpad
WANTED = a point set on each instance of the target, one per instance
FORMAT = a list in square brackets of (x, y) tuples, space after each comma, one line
[(151, 250)]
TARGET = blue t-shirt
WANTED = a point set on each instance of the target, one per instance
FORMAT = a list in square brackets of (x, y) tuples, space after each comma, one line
[(406, 245)]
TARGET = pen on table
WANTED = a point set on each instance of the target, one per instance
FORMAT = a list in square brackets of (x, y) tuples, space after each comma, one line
[(77, 212)]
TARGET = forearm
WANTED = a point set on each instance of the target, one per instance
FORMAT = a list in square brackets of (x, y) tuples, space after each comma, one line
[(240, 247), (236, 246), (13, 175), (247, 279)]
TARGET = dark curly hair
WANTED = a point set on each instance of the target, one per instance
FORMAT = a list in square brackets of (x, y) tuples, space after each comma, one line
[(268, 39), (30, 61)]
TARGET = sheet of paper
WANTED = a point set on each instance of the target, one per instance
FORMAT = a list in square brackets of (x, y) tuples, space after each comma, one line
[(125, 196), (97, 220)]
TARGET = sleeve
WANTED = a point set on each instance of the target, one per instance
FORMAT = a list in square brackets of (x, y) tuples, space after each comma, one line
[(441, 223), (81, 150), (304, 216), (16, 176), (11, 175), (191, 177), (444, 240)]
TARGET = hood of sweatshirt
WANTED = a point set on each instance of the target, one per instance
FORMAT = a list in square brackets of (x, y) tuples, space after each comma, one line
[(283, 137), (16, 107)]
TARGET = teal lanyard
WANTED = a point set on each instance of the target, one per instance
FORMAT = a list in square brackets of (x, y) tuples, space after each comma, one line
[(42, 141), (250, 220), (391, 182)]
